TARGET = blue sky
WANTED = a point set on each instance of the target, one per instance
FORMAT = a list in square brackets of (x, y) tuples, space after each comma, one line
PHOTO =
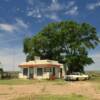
[(21, 18)]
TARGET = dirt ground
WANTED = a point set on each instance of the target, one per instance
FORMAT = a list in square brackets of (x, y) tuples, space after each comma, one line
[(9, 92)]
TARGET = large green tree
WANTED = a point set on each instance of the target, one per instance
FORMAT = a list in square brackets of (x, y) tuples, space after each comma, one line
[(67, 41)]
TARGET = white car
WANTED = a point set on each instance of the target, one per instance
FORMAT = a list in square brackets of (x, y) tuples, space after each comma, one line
[(76, 76)]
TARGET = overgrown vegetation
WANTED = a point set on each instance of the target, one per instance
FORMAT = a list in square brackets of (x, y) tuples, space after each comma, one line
[(10, 75), (1, 73)]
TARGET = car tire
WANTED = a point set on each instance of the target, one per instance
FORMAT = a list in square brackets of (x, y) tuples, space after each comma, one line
[(77, 79)]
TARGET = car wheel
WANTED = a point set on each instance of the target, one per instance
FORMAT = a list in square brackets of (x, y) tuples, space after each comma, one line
[(77, 79)]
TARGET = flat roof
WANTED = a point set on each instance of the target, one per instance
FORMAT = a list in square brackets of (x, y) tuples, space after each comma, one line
[(41, 63)]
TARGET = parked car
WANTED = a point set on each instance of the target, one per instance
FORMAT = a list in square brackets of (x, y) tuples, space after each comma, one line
[(76, 76)]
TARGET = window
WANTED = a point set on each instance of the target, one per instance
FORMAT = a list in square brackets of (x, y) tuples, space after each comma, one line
[(25, 71), (31, 73), (39, 71), (46, 69), (60, 72)]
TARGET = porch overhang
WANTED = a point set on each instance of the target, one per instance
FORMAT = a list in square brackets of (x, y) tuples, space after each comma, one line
[(39, 65)]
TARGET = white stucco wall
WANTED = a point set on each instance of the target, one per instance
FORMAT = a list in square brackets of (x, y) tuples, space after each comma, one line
[(57, 72), (46, 74), (21, 74)]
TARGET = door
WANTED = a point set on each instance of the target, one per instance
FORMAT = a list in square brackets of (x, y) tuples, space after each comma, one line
[(60, 72), (31, 73), (53, 71), (39, 73)]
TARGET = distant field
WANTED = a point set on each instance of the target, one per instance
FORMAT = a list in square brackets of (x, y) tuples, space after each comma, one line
[(94, 73), (94, 76)]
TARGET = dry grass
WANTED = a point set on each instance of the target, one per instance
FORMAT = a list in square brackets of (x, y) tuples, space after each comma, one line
[(54, 97), (50, 90)]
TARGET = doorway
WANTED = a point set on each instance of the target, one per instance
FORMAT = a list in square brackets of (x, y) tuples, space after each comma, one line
[(31, 73)]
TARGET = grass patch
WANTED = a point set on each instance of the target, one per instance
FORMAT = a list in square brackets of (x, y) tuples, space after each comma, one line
[(4, 94), (27, 81), (54, 97), (98, 86), (16, 82), (94, 76), (60, 82), (95, 79), (96, 82)]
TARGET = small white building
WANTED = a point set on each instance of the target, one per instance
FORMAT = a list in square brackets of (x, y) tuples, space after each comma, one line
[(41, 69)]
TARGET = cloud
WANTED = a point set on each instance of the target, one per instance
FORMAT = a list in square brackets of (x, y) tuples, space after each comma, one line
[(70, 8), (35, 13), (93, 6), (20, 24), (7, 27), (46, 11), (72, 11), (13, 30), (55, 6), (70, 4), (53, 17), (53, 10), (13, 27)]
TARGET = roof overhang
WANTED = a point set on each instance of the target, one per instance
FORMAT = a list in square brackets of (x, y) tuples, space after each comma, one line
[(39, 65)]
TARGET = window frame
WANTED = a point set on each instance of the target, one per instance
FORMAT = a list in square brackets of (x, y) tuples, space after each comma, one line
[(25, 71), (39, 73)]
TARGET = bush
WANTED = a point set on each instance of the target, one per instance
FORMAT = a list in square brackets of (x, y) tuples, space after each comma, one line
[(10, 75), (1, 73)]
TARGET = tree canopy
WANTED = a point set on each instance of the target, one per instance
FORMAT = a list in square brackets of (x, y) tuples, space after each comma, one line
[(67, 41)]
